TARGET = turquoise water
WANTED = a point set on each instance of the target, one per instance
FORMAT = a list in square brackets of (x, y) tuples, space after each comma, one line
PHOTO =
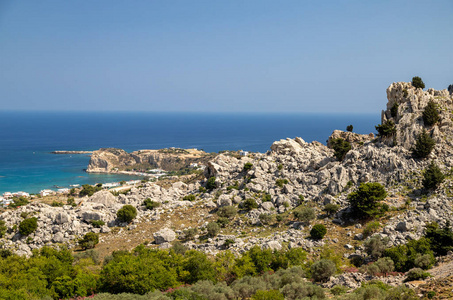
[(27, 138)]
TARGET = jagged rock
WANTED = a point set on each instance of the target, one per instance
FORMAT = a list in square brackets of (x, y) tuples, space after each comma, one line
[(268, 206), (62, 218), (164, 235), (272, 245), (224, 200)]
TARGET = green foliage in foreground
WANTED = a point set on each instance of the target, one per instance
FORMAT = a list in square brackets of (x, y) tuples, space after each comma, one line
[(28, 226)]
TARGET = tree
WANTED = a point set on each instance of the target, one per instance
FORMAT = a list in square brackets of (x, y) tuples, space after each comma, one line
[(424, 144), (247, 166), (430, 114), (89, 190), (349, 128), (213, 229), (89, 241), (250, 204), (394, 110), (432, 177), (127, 213), (365, 201), (318, 232), (305, 214), (322, 270), (28, 226), (3, 228), (387, 129), (341, 147), (417, 82), (211, 184)]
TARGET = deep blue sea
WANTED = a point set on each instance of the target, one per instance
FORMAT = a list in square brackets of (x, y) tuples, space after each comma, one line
[(27, 138)]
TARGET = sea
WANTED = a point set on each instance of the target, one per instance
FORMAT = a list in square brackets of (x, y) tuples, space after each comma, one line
[(28, 138)]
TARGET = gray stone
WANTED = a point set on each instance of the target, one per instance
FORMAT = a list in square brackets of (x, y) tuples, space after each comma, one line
[(164, 235)]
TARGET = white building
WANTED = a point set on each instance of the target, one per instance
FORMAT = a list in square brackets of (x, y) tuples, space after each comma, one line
[(243, 153), (44, 193)]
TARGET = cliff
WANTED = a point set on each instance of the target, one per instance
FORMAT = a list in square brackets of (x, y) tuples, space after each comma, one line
[(107, 160)]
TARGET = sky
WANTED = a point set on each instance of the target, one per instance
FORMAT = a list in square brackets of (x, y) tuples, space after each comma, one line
[(219, 56)]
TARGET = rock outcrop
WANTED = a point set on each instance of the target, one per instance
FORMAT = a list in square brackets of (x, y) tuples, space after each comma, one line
[(108, 160)]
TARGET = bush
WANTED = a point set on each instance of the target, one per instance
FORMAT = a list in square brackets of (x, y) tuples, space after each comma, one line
[(424, 144), (404, 256), (302, 290), (349, 128), (189, 234), (371, 228), (228, 211), (19, 202), (127, 213), (190, 197), (440, 239), (56, 204), (430, 114), (375, 246), (341, 147), (71, 202), (89, 241), (3, 228), (250, 204), (338, 290), (416, 274), (97, 223), (223, 222), (211, 184), (149, 204), (304, 214), (28, 226), (424, 261), (248, 166), (268, 295), (331, 208), (318, 232), (381, 266), (89, 190), (432, 177), (387, 129), (322, 270), (213, 229), (365, 201), (394, 110), (266, 219), (417, 82), (281, 182)]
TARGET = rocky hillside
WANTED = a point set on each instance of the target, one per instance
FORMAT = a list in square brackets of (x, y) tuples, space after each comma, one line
[(292, 173), (107, 160)]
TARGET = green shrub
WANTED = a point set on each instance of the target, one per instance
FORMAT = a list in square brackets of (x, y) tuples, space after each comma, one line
[(228, 211), (268, 295), (322, 270), (266, 219), (213, 229), (431, 294), (424, 261), (149, 204), (365, 201), (223, 222), (331, 208), (341, 147), (127, 213), (371, 228), (381, 266), (281, 182), (189, 234), (440, 239), (280, 167), (89, 190), (266, 197), (190, 197), (404, 256), (349, 128), (424, 144), (198, 267), (28, 226), (179, 248), (318, 232), (89, 241), (430, 114), (387, 129), (250, 204), (3, 228), (19, 202), (304, 214), (211, 184), (338, 290), (394, 110), (432, 177), (71, 202), (417, 82), (416, 274), (97, 223), (375, 246), (56, 204), (248, 166)]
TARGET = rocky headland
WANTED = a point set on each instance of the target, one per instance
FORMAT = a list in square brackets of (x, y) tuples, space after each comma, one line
[(292, 173)]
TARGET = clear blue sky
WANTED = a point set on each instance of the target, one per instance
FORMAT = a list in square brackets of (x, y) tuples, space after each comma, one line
[(240, 56)]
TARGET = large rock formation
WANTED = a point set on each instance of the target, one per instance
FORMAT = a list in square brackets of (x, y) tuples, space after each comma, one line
[(107, 160)]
